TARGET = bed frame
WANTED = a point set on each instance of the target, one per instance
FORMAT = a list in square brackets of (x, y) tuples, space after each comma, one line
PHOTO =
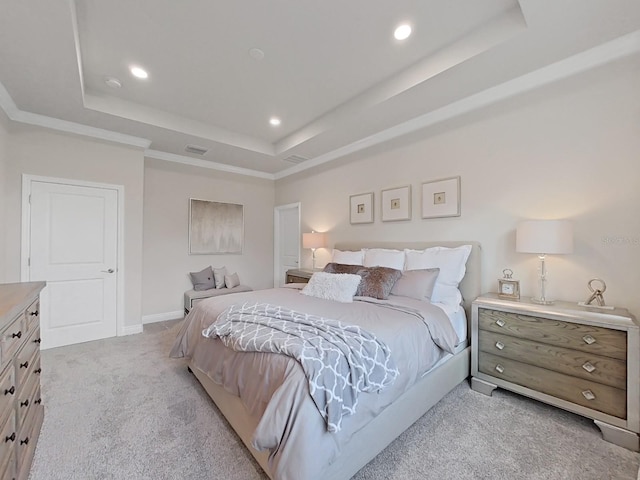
[(397, 417)]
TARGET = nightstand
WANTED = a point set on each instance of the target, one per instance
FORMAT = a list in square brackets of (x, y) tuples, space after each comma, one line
[(582, 359), (298, 276)]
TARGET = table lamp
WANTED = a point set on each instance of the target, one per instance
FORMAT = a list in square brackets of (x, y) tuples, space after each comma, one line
[(544, 237), (314, 240)]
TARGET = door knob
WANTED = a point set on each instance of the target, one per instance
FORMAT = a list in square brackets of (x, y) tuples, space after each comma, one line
[(111, 270)]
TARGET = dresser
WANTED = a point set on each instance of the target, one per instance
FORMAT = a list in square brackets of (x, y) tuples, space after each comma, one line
[(582, 359), (21, 409), (298, 276)]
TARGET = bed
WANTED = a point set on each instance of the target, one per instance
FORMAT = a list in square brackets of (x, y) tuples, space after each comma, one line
[(279, 416)]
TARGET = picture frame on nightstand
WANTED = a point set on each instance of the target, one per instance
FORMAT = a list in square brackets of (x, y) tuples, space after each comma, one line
[(508, 288)]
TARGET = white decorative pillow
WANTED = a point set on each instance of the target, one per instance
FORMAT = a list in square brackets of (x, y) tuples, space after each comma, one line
[(232, 280), (347, 257), (340, 287), (452, 265), (382, 257), (218, 274)]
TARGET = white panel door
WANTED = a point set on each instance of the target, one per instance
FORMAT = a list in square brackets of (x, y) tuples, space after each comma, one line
[(74, 247), (288, 240)]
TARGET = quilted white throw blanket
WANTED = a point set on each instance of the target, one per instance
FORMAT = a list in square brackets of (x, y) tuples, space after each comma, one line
[(338, 360)]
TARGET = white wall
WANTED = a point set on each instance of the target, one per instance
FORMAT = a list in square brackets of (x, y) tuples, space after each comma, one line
[(3, 143), (571, 150), (37, 151), (167, 263)]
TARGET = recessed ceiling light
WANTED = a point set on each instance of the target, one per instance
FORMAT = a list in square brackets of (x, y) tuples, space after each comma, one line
[(275, 121), (138, 72), (402, 32), (112, 82), (256, 54)]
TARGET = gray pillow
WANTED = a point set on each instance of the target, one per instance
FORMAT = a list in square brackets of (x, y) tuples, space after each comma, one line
[(416, 284), (203, 280), (218, 274)]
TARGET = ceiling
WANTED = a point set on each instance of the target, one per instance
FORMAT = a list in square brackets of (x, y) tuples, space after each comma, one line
[(331, 70)]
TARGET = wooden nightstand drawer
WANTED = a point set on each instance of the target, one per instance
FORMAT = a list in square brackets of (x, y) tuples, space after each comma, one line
[(605, 370), (586, 338), (596, 396), (8, 436)]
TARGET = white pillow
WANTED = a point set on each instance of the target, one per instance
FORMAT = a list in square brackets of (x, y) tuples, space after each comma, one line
[(232, 280), (382, 257), (340, 287), (452, 265), (218, 275), (347, 257)]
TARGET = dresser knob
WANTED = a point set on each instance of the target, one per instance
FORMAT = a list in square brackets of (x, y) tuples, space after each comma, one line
[(25, 364), (499, 368), (34, 313), (588, 339), (25, 403), (37, 340), (10, 438), (589, 395), (38, 401), (500, 322), (499, 345), (10, 391), (588, 367), (16, 335), (25, 441), (37, 371)]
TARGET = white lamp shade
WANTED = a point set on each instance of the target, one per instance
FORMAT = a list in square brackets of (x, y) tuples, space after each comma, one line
[(314, 240), (544, 236)]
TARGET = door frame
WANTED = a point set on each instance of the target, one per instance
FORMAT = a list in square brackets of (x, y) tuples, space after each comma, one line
[(25, 243), (276, 236)]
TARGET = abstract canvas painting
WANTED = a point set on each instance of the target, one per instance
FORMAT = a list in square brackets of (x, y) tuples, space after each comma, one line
[(215, 227)]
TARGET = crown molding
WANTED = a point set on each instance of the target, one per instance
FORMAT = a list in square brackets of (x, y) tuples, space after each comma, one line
[(196, 162), (595, 57)]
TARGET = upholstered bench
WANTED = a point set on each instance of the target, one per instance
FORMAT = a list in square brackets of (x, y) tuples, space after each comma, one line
[(191, 297)]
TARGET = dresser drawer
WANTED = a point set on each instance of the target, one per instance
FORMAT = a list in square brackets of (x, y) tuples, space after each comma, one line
[(7, 389), (8, 468), (8, 437), (11, 339), (26, 358), (606, 399), (586, 338), (27, 440), (32, 316), (605, 370), (27, 398)]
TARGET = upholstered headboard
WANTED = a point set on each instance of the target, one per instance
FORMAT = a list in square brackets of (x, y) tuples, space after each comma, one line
[(470, 285)]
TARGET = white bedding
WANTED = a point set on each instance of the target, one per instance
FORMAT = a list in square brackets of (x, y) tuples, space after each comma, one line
[(458, 319)]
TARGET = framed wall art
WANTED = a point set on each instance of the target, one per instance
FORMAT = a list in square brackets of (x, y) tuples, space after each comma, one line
[(396, 204), (215, 227), (361, 208), (441, 198)]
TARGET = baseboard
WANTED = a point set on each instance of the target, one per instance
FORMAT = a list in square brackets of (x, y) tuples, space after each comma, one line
[(131, 330), (161, 317)]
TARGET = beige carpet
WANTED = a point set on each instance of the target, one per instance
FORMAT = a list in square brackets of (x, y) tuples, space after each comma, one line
[(121, 409)]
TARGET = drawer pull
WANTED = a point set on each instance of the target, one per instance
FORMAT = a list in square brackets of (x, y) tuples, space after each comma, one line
[(25, 364), (500, 322), (25, 441), (34, 313), (588, 367), (37, 340), (16, 335), (37, 371), (499, 345), (499, 368), (588, 339), (25, 403), (10, 391), (589, 395), (10, 438), (38, 401)]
